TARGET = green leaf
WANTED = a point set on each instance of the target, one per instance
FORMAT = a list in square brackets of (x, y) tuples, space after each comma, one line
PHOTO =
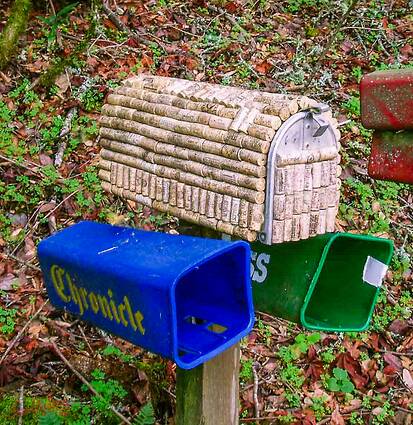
[(340, 374), (313, 338), (347, 386), (302, 346), (50, 418), (300, 338), (146, 416), (66, 10), (332, 384)]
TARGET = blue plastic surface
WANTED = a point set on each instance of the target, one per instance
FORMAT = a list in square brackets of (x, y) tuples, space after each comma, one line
[(185, 298)]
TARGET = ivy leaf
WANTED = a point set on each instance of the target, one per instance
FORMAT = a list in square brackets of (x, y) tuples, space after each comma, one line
[(347, 386), (340, 374), (333, 384), (314, 338)]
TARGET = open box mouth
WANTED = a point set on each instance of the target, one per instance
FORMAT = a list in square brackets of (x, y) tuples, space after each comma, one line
[(339, 298), (211, 306)]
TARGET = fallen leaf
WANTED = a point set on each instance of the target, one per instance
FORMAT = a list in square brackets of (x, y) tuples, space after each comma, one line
[(6, 282), (45, 159), (29, 248), (63, 83), (37, 328), (407, 379), (336, 418), (392, 360), (399, 327)]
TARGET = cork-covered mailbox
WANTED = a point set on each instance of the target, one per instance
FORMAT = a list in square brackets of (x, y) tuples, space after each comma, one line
[(255, 165)]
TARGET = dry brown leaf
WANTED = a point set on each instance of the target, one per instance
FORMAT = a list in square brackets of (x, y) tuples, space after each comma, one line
[(336, 418), (63, 83), (29, 248), (6, 282), (407, 379)]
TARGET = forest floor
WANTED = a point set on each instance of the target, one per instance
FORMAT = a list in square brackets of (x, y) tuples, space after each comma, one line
[(71, 57)]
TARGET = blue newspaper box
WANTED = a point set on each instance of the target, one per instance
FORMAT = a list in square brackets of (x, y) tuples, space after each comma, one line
[(184, 298)]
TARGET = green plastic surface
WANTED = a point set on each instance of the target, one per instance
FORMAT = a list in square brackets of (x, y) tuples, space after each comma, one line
[(318, 281)]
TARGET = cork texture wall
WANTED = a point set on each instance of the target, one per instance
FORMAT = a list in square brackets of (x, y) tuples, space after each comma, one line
[(243, 162)]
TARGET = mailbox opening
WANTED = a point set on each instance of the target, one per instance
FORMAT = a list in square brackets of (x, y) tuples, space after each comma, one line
[(339, 297), (211, 304), (321, 282)]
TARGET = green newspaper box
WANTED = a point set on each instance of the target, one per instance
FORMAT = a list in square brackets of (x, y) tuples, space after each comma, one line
[(329, 282)]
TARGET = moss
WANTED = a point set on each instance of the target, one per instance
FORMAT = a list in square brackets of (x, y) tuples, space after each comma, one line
[(61, 63), (34, 409), (16, 24)]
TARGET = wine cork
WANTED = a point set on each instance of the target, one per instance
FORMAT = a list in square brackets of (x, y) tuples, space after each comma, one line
[(279, 183), (255, 216), (333, 171), (187, 197), (172, 193), (235, 210), (180, 199), (299, 176), (295, 228), (308, 177), (331, 219), (139, 174), (313, 223), (277, 231), (315, 200), (289, 179), (152, 186), (210, 204), (202, 201), (113, 173), (195, 199), (322, 194), (218, 205), (119, 176), (289, 206), (316, 175), (226, 208), (331, 195), (145, 183), (243, 213), (288, 226), (126, 181), (165, 190), (326, 173), (159, 189), (322, 222), (132, 179), (307, 200), (279, 207), (298, 202), (304, 226)]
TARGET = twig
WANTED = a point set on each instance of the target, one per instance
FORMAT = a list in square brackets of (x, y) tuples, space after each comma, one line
[(255, 391), (331, 40), (86, 382), (397, 353), (47, 216), (122, 27), (403, 409), (264, 418), (35, 168), (84, 337), (67, 125), (21, 332), (25, 263), (227, 16), (21, 405)]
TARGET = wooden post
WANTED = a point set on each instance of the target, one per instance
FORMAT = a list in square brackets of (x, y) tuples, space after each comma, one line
[(209, 394)]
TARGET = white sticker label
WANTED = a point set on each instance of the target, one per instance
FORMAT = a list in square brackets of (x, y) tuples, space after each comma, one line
[(374, 272)]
